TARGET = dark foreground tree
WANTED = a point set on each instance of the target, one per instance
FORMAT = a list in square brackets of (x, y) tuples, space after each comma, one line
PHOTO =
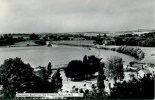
[(16, 76), (93, 64), (75, 69), (49, 68), (100, 79), (56, 81)]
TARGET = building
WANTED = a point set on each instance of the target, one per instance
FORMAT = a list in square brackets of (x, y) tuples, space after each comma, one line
[(143, 72)]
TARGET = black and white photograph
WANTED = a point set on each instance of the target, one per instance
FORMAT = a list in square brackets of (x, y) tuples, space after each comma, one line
[(77, 49)]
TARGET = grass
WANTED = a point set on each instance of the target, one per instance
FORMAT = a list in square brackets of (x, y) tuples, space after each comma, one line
[(75, 42)]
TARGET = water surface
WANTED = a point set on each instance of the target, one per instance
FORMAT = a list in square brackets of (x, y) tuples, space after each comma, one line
[(58, 55)]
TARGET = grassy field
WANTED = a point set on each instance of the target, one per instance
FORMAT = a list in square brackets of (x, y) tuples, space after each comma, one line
[(24, 43), (75, 42)]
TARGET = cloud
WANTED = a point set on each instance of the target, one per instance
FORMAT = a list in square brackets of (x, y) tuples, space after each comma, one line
[(75, 15)]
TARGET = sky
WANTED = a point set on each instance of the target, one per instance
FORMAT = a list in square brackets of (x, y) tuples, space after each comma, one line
[(76, 15)]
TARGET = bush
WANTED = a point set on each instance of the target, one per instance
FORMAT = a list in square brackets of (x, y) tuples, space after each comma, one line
[(133, 51), (40, 42), (77, 69)]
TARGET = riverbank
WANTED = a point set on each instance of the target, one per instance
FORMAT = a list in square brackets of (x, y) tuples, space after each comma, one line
[(131, 51)]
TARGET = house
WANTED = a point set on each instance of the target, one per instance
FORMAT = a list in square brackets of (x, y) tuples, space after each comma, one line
[(143, 72), (152, 70)]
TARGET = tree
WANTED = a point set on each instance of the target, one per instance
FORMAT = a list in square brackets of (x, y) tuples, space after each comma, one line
[(99, 40), (119, 41), (93, 64), (49, 68), (56, 81), (16, 76), (114, 68), (42, 73), (85, 65), (34, 37), (75, 69), (100, 79)]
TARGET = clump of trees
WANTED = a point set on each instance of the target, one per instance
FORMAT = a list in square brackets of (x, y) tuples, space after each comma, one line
[(78, 69), (99, 40), (34, 37), (114, 68), (133, 51), (16, 76), (8, 39), (146, 39), (134, 89), (149, 42)]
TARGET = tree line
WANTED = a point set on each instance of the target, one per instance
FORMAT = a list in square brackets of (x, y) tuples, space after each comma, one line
[(146, 39), (7, 39), (133, 51)]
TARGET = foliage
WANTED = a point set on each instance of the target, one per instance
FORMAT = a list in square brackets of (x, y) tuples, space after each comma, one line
[(99, 40), (100, 79), (8, 39), (16, 76), (93, 64), (56, 81), (49, 68), (149, 42), (133, 51), (95, 93), (146, 39), (42, 73), (134, 89), (74, 69), (79, 70), (34, 37), (114, 68), (118, 41)]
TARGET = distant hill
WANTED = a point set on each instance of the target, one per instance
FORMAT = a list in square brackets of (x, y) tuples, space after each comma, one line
[(109, 33)]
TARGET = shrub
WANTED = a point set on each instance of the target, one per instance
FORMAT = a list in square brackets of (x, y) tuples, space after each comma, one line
[(40, 42), (133, 51)]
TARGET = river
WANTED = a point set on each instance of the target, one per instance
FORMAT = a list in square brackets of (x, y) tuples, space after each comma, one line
[(57, 55)]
